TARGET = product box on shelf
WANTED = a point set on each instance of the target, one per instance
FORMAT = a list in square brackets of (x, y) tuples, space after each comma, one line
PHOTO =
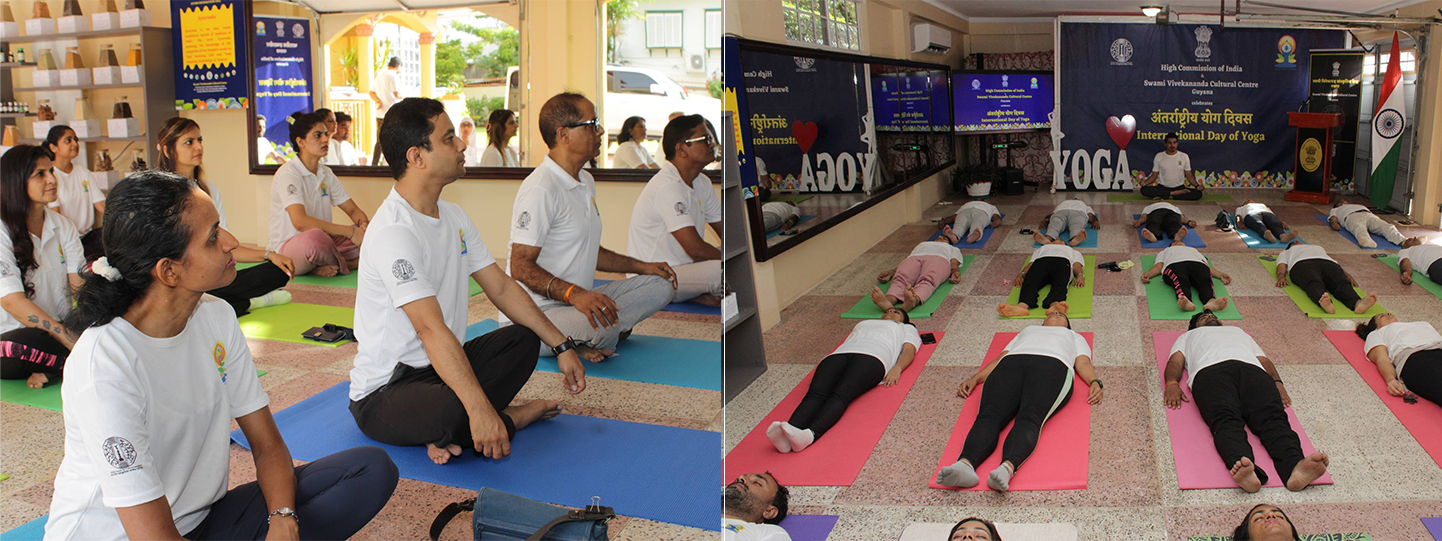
[(130, 74), (45, 78), (132, 18), (40, 128), (39, 27), (104, 21), (124, 127), (9, 29), (73, 24), (86, 129), (75, 77), (107, 75)]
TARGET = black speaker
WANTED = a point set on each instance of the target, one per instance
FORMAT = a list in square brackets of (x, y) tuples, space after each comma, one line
[(1011, 181)]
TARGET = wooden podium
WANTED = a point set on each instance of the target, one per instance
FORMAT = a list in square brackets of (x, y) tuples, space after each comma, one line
[(1312, 164)]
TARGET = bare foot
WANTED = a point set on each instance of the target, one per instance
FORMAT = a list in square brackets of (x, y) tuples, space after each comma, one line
[(879, 299), (1182, 233), (1366, 303), (1288, 237), (1326, 303), (950, 235), (442, 456), (591, 354), (910, 300), (974, 236), (1077, 239), (1185, 304), (326, 271), (1039, 238), (1308, 470), (707, 299), (1157, 199), (1218, 304), (535, 410), (1269, 237), (1147, 234), (1059, 306), (1012, 310), (1245, 474), (37, 380)]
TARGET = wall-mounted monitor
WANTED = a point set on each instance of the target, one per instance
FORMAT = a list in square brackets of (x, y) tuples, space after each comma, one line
[(1002, 101)]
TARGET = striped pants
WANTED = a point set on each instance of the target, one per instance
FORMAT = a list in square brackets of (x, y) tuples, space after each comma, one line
[(28, 350)]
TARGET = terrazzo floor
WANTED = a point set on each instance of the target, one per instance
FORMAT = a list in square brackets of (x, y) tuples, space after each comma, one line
[(31, 439), (1384, 481)]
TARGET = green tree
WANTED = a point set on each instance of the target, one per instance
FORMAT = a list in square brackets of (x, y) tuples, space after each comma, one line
[(451, 59), (480, 109), (618, 12), (492, 61)]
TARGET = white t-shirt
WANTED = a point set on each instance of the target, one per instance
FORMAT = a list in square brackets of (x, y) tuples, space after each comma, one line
[(1158, 206), (490, 157), (1250, 209), (737, 530), (630, 155), (348, 154), (667, 205), (76, 197), (1059, 250), (219, 204), (1171, 169), (1206, 346), (1178, 254), (1074, 204), (880, 338), (263, 149), (775, 213), (1422, 256), (1341, 213), (936, 248), (983, 205), (333, 155), (58, 254), (1402, 339), (385, 87), (293, 184), (473, 153), (1059, 343), (1301, 252), (558, 214), (147, 417), (409, 256)]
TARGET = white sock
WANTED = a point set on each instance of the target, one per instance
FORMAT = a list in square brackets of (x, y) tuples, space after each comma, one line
[(800, 439), (274, 298), (778, 437), (960, 474)]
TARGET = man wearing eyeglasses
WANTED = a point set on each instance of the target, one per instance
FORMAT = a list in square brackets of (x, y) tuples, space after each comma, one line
[(556, 240), (669, 219)]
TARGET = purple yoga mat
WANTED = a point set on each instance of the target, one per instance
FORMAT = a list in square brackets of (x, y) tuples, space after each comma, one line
[(809, 527), (1434, 527)]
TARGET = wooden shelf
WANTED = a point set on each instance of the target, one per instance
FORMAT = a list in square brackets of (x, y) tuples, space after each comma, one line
[(134, 31), (81, 87), (4, 65), (16, 115), (92, 140)]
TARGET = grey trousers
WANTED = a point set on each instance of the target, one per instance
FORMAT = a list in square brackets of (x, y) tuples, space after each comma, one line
[(1067, 220), (636, 298), (696, 279)]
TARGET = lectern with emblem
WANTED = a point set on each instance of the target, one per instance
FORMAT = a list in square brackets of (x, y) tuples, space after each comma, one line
[(1313, 163)]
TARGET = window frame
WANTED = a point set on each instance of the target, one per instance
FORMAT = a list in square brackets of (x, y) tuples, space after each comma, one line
[(681, 28), (828, 25), (720, 28)]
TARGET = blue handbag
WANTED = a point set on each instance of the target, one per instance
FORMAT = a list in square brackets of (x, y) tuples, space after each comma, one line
[(506, 517)]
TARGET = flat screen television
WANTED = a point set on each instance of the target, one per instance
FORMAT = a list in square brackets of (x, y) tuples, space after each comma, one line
[(994, 101), (902, 102)]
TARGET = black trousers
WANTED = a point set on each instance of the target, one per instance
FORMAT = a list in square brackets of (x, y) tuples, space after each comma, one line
[(91, 243), (1163, 223), (1434, 272), (1185, 275), (1424, 374), (29, 350), (1320, 276), (417, 408), (1157, 190), (1027, 388), (1262, 222), (839, 379), (1234, 395), (251, 283), (1053, 271), (376, 150)]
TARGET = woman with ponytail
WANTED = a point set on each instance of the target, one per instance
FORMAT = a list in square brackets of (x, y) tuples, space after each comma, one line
[(157, 374), (40, 258), (181, 150)]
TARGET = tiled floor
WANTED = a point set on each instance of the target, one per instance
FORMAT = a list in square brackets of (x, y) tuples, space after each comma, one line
[(1384, 481), (31, 439)]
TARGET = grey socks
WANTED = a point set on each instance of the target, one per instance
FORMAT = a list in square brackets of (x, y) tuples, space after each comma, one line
[(1000, 478), (960, 474)]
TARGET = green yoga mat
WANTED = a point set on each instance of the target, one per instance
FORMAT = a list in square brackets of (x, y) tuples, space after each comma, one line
[(1079, 299), (287, 321), (1418, 278), (15, 391), (344, 280), (1133, 197), (795, 199), (1310, 308), (865, 309), (3, 477), (1162, 298)]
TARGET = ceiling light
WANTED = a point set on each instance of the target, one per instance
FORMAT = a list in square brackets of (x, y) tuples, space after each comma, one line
[(1151, 11)]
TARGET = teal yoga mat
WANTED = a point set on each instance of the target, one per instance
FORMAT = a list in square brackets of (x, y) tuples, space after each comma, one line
[(647, 359)]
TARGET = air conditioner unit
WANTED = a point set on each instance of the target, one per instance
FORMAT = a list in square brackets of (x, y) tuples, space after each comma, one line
[(696, 63), (929, 38)]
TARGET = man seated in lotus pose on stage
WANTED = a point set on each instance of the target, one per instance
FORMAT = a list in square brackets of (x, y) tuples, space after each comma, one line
[(1237, 387), (1184, 268), (1260, 219), (1072, 216), (917, 277), (751, 508), (1163, 220), (1423, 258), (1052, 263), (971, 219), (1174, 168), (1321, 277), (1361, 223)]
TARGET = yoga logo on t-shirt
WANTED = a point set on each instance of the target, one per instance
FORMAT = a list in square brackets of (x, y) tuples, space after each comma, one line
[(324, 190), (85, 185), (119, 453), (524, 220), (290, 189), (462, 233), (680, 208), (219, 353), (6, 270), (61, 249), (403, 271)]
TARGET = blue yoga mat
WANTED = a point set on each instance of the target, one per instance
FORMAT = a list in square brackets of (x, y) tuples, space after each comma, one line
[(1254, 240), (979, 244), (804, 218), (1193, 239), (1382, 242), (681, 307), (647, 359), (29, 531), (641, 470), (1091, 242)]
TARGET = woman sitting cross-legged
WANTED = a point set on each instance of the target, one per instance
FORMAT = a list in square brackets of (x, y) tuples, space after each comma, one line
[(917, 277), (302, 195), (876, 352)]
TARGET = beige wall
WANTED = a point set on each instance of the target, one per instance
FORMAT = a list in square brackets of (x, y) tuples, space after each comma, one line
[(1010, 37)]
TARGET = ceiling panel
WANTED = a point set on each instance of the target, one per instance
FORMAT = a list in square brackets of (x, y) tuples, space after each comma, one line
[(1009, 9)]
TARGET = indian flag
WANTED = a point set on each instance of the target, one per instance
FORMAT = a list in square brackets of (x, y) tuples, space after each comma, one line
[(1387, 124)]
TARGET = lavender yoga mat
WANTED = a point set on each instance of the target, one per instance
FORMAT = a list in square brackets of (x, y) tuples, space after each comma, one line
[(809, 527), (1434, 527)]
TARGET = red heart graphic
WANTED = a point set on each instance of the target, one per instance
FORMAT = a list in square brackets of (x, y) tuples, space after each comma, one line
[(805, 133), (1122, 129)]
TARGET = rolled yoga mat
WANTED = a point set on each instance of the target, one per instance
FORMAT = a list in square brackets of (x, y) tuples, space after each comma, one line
[(935, 531), (809, 527), (1193, 238), (647, 359), (1422, 420), (865, 309), (344, 280), (1134, 197), (1382, 242), (1418, 278), (979, 244), (1079, 299), (837, 457), (1091, 242), (634, 468), (687, 307), (1162, 298), (1312, 309), (286, 322), (1197, 463), (1062, 449)]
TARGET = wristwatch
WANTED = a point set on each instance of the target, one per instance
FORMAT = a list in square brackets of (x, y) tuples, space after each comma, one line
[(283, 512), (563, 347)]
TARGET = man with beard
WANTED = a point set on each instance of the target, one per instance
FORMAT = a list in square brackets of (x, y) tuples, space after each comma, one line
[(751, 508)]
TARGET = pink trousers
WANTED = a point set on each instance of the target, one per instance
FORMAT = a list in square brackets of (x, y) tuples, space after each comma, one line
[(314, 248), (922, 273)]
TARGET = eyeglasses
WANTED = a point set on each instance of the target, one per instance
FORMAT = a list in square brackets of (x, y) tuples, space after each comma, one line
[(710, 141), (594, 123)]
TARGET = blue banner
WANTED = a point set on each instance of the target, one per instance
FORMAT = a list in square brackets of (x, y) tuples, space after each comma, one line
[(1224, 91), (209, 52), (282, 74)]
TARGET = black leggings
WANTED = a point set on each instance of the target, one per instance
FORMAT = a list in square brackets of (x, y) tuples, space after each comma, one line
[(29, 350), (1434, 272), (1163, 223), (1028, 388), (1234, 395), (1053, 271), (1157, 190), (1320, 276), (1185, 275), (1424, 374), (417, 407), (251, 283), (839, 379), (1262, 222)]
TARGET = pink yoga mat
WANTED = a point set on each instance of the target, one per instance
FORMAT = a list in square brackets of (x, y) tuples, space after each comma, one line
[(1198, 465), (1060, 459), (1423, 419), (836, 459)]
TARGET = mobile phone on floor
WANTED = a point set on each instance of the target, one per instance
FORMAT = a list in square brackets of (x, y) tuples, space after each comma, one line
[(928, 339)]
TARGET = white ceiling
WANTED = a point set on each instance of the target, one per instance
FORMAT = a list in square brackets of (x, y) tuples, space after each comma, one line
[(1022, 9)]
